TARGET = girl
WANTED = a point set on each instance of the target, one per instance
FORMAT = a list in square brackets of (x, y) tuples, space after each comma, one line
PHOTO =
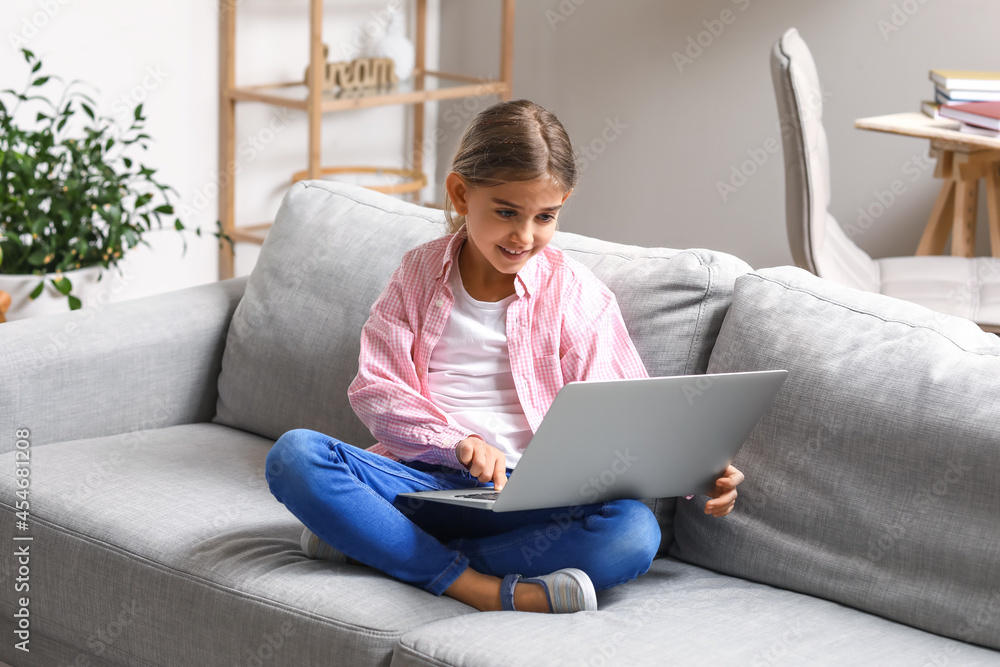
[(461, 356)]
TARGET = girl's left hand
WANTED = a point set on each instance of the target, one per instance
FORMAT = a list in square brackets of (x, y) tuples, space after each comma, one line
[(724, 494)]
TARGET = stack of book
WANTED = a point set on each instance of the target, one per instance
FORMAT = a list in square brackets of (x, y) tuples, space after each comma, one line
[(972, 98)]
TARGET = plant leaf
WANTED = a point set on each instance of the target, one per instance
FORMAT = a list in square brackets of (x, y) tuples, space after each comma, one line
[(138, 112), (40, 81), (164, 208), (63, 285), (74, 303), (37, 291), (86, 97), (88, 110), (37, 258)]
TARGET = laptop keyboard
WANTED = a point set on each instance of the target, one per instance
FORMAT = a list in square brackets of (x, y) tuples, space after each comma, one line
[(483, 496)]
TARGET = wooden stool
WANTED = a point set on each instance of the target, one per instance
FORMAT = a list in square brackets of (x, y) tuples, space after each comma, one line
[(4, 305), (954, 212)]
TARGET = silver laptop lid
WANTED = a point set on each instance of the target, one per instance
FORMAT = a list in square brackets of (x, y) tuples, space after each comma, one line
[(679, 434)]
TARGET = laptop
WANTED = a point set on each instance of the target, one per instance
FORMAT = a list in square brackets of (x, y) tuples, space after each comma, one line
[(648, 438)]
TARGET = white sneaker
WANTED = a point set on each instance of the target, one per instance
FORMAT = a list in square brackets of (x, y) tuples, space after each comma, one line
[(316, 548), (568, 590)]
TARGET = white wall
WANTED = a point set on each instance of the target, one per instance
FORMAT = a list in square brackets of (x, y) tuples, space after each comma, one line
[(165, 54), (682, 130), (683, 127)]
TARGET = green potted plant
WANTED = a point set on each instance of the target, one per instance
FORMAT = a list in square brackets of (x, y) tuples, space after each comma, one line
[(73, 197)]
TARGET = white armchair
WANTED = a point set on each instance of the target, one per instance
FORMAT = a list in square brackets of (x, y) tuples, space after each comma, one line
[(966, 287)]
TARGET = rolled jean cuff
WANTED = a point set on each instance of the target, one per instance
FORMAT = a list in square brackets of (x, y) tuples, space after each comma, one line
[(448, 577)]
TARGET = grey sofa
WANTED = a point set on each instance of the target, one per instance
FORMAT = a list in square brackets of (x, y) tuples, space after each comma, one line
[(866, 531)]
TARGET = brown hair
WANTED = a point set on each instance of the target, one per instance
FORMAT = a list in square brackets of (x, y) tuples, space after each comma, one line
[(512, 141)]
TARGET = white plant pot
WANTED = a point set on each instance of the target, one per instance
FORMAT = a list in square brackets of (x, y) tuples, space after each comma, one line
[(51, 300)]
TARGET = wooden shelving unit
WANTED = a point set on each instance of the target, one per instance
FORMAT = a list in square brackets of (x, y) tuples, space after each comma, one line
[(424, 86)]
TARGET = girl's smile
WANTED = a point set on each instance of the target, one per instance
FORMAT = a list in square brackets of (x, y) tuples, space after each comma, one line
[(514, 254)]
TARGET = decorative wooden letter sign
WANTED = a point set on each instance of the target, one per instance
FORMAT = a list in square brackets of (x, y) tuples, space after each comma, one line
[(358, 73)]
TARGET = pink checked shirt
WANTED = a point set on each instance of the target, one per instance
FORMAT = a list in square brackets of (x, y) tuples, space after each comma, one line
[(564, 325)]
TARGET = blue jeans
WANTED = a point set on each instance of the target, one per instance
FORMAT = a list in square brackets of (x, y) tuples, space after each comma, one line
[(347, 497)]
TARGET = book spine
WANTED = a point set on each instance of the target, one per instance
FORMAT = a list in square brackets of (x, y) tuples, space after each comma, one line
[(980, 131), (991, 84), (970, 118), (949, 96)]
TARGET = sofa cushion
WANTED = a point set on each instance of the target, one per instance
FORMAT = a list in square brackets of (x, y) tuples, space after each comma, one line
[(294, 340), (293, 344), (680, 614), (176, 528), (672, 301), (872, 480)]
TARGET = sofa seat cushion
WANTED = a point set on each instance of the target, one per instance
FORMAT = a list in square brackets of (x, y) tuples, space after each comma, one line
[(961, 286), (680, 614), (178, 528), (873, 478)]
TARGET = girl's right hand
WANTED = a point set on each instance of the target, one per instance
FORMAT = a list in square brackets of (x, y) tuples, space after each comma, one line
[(483, 461)]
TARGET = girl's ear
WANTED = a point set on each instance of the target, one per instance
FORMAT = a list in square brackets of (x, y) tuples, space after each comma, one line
[(457, 191), (566, 196)]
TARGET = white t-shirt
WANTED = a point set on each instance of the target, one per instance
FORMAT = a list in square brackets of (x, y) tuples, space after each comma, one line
[(469, 372)]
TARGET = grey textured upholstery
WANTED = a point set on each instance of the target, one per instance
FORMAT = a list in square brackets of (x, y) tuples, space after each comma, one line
[(679, 614), (176, 526), (146, 363), (872, 480)]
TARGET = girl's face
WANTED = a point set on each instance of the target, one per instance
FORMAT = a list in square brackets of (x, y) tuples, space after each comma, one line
[(507, 224)]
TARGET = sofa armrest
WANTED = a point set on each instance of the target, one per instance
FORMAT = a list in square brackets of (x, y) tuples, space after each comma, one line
[(134, 365)]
